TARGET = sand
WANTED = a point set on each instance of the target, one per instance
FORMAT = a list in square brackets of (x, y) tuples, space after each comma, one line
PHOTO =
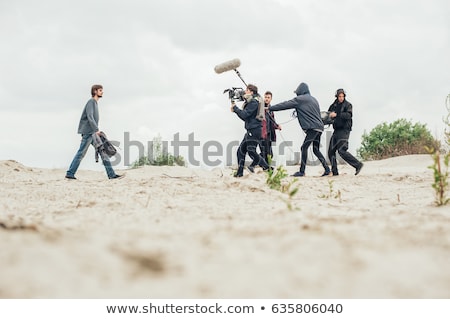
[(175, 232)]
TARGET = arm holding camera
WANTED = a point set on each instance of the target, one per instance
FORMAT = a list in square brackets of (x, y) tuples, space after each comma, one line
[(248, 111), (233, 104)]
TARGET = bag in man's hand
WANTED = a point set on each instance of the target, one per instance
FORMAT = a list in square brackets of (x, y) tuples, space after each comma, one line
[(103, 147), (108, 148)]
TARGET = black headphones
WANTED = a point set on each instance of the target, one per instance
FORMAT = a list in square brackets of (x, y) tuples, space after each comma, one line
[(339, 91)]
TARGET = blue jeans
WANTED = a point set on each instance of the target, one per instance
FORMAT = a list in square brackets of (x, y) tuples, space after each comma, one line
[(86, 140)]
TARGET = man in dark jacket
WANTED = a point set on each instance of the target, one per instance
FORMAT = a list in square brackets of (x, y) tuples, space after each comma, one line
[(342, 112), (308, 114), (253, 126)]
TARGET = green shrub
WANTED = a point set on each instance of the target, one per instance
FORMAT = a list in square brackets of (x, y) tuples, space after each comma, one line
[(395, 139), (275, 177), (440, 174), (276, 180), (162, 159)]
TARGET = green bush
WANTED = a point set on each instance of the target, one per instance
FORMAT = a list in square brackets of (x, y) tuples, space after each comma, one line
[(395, 139), (275, 180), (162, 160), (440, 173)]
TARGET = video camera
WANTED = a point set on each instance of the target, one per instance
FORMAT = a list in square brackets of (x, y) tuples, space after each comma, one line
[(326, 119), (235, 94)]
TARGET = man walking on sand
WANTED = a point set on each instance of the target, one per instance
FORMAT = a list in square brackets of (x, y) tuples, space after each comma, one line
[(87, 127), (342, 112), (308, 115)]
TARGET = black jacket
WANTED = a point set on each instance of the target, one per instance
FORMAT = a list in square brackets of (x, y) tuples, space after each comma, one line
[(271, 126), (344, 114), (248, 114), (306, 106)]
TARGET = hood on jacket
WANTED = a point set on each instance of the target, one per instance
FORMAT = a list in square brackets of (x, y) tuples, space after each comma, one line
[(302, 89)]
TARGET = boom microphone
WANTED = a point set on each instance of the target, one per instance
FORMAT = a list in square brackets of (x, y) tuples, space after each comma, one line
[(227, 66)]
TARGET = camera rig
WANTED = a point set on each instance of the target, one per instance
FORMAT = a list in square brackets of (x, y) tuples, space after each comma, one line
[(326, 119), (235, 94)]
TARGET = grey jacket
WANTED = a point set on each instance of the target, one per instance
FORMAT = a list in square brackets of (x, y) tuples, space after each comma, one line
[(306, 106), (89, 118)]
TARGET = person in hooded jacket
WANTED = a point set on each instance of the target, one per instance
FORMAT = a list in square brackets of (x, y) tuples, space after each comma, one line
[(253, 126), (342, 112), (308, 115)]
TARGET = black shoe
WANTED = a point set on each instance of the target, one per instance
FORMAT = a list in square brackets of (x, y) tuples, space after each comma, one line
[(298, 174), (238, 175), (251, 168), (326, 173), (117, 176), (359, 169), (335, 174), (268, 168), (70, 177)]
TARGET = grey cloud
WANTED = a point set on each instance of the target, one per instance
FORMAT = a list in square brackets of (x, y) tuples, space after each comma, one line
[(156, 58)]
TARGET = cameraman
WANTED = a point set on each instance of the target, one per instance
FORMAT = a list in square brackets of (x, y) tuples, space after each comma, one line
[(253, 126)]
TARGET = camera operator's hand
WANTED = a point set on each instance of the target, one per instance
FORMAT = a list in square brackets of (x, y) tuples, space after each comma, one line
[(233, 104)]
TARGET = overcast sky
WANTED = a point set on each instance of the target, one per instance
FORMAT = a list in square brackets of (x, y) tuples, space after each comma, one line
[(156, 62)]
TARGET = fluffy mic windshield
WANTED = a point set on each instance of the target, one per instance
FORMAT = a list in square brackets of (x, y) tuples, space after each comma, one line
[(227, 66)]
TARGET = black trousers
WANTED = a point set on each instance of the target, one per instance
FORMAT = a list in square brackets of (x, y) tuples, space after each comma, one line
[(312, 137), (266, 149), (339, 143), (248, 145)]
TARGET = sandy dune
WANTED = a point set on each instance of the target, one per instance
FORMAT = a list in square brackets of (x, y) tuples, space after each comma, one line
[(173, 232)]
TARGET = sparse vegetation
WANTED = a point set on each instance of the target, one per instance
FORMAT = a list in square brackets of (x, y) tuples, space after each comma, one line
[(398, 138), (440, 174), (440, 164), (276, 180), (331, 192), (447, 122), (275, 177), (290, 189)]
